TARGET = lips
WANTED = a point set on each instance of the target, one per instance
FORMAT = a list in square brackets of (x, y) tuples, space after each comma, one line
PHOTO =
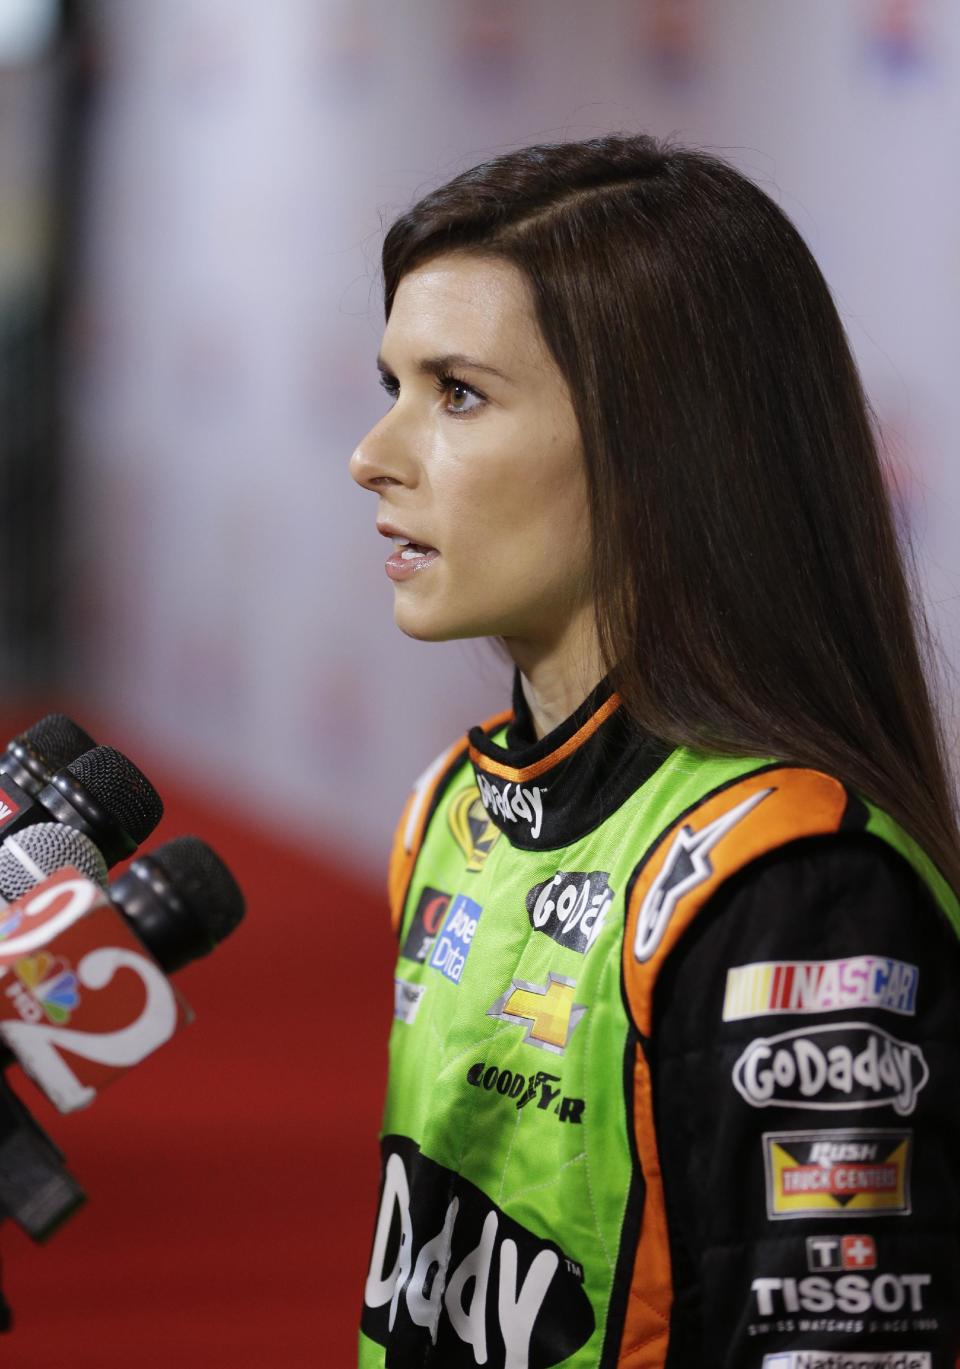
[(400, 535)]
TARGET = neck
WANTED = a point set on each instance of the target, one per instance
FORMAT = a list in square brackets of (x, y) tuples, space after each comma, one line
[(557, 676)]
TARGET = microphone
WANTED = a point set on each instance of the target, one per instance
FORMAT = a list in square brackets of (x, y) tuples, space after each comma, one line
[(40, 850), (63, 945), (101, 793), (34, 756), (181, 900)]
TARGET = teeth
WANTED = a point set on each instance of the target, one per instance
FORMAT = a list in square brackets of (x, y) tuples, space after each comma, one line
[(412, 555), (401, 542)]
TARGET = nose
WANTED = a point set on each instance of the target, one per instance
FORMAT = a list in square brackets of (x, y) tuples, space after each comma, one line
[(380, 459)]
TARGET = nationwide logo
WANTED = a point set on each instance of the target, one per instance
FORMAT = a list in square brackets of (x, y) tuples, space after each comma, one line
[(837, 1173), (454, 1281), (841, 1252), (472, 830), (524, 1089), (406, 1000), (513, 802), (847, 1359), (850, 1065), (546, 1010), (571, 907), (455, 938), (431, 906), (813, 986), (687, 864)]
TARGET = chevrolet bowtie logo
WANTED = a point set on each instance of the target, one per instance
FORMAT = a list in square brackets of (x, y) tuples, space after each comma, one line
[(546, 1010)]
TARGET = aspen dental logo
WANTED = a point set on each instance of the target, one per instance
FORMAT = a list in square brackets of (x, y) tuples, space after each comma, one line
[(864, 1173), (547, 1011), (846, 1359), (454, 1281), (513, 802), (850, 1065), (45, 986), (814, 986), (453, 941)]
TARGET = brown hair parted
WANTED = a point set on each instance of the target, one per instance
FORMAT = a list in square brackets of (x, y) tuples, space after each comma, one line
[(752, 597)]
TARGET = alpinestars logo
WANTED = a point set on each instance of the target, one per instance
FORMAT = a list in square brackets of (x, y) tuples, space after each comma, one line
[(450, 1270), (513, 802), (687, 865)]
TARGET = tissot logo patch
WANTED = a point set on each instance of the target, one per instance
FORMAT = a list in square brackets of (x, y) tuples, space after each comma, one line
[(453, 941), (571, 907), (454, 1281), (427, 920), (837, 1173), (547, 1011), (815, 986), (473, 831), (832, 1068), (841, 1252)]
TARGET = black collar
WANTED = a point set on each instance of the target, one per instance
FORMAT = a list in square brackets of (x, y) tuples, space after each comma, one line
[(548, 793)]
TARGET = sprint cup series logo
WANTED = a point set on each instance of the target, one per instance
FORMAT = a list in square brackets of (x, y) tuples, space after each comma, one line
[(849, 1065), (862, 1173), (454, 1281)]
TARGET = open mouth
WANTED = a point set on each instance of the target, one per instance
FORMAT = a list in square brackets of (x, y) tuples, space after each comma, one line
[(408, 557)]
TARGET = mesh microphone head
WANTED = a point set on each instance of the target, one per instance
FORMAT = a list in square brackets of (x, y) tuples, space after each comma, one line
[(204, 885), (121, 789), (48, 846), (57, 740)]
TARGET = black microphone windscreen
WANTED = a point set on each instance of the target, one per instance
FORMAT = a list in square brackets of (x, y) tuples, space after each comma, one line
[(121, 789), (203, 883), (57, 739)]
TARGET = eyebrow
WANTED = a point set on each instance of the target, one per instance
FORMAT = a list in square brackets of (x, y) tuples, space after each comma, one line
[(438, 365)]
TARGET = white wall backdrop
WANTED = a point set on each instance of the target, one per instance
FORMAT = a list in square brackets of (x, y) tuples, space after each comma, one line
[(229, 598)]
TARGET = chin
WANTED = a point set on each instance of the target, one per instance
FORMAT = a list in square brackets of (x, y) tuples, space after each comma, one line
[(423, 626)]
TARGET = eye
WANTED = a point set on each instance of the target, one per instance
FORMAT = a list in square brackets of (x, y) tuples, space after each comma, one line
[(445, 382), (442, 383)]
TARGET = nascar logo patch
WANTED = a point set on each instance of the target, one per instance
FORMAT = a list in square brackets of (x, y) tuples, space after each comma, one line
[(813, 986)]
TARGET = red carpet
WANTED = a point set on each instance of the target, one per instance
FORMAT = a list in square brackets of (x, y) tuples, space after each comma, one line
[(231, 1178)]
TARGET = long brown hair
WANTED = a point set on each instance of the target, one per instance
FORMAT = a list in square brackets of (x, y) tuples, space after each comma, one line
[(752, 596)]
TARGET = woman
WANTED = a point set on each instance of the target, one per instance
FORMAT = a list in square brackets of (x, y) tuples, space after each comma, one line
[(673, 1075)]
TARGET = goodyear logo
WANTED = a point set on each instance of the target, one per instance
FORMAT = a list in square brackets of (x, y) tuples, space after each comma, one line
[(547, 1011), (837, 1173)]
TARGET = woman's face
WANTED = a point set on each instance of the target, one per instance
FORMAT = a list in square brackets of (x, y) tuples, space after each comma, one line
[(482, 466)]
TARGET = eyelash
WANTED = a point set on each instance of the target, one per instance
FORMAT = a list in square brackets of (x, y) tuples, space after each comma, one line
[(442, 382)]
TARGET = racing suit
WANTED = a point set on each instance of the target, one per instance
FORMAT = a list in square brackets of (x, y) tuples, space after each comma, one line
[(674, 1066)]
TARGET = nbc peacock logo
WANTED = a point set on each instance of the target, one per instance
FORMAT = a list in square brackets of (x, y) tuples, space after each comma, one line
[(51, 983)]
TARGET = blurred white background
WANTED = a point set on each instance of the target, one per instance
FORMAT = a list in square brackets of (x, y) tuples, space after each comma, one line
[(227, 597)]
